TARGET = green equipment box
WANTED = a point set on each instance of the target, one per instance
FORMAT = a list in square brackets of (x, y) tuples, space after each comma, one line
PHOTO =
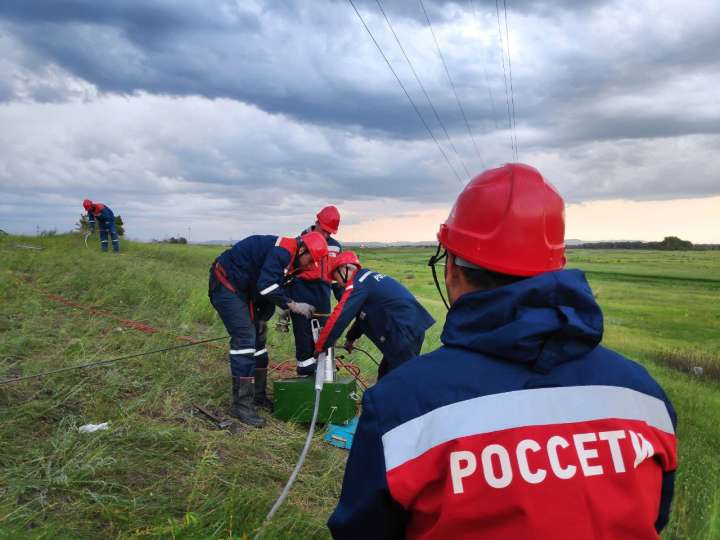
[(294, 400)]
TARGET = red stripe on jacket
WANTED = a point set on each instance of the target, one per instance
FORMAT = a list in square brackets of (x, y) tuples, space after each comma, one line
[(332, 320)]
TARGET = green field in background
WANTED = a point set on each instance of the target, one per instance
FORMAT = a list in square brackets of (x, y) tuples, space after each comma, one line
[(161, 471)]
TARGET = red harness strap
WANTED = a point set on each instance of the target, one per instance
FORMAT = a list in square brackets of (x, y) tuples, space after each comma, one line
[(222, 277)]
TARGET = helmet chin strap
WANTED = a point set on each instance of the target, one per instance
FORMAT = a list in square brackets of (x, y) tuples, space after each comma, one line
[(431, 263)]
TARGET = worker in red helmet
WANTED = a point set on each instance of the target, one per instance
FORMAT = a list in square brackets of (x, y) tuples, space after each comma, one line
[(100, 213), (314, 286), (521, 425), (378, 307), (247, 281)]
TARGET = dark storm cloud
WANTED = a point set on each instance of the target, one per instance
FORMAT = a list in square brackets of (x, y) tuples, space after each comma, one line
[(274, 105), (302, 61)]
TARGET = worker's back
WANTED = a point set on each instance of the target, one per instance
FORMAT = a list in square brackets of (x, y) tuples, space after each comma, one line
[(390, 315), (521, 426), (243, 262)]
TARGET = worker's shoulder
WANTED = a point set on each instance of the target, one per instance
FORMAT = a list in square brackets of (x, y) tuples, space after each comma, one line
[(255, 241), (363, 278), (606, 366), (368, 278)]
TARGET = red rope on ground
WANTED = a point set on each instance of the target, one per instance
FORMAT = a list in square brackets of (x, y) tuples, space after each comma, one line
[(286, 369)]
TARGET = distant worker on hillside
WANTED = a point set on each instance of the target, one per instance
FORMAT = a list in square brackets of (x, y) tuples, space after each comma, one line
[(106, 221), (382, 308), (521, 425), (246, 283), (314, 287)]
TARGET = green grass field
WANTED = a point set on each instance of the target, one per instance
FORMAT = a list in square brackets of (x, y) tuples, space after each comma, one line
[(161, 471)]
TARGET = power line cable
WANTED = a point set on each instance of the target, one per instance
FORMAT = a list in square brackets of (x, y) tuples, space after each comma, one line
[(452, 84), (417, 111), (107, 362), (512, 91), (507, 91), (422, 87), (485, 74)]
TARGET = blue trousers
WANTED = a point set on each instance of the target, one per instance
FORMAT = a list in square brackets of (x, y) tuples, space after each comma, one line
[(317, 293), (248, 333), (106, 227)]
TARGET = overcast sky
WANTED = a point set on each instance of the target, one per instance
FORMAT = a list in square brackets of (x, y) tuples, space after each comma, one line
[(228, 118)]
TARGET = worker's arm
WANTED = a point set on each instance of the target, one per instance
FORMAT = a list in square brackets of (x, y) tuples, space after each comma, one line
[(355, 332), (91, 222), (272, 276), (366, 509), (668, 481), (347, 309)]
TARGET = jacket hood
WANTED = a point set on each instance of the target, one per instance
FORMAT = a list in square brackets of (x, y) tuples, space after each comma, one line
[(541, 321)]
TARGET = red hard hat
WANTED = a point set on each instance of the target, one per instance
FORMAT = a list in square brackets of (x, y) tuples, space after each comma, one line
[(329, 219), (342, 258), (316, 245), (87, 203), (509, 220)]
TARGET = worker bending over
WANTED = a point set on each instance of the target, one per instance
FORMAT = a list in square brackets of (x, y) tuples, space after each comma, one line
[(383, 309), (521, 425), (246, 283), (314, 286), (106, 221)]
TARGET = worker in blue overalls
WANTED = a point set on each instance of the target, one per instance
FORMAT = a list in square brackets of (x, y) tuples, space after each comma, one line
[(314, 286), (383, 309), (247, 281), (106, 221)]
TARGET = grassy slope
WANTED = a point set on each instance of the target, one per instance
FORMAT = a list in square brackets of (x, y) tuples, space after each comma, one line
[(161, 471)]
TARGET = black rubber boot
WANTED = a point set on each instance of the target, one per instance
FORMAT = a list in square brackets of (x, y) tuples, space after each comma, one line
[(261, 397), (243, 407)]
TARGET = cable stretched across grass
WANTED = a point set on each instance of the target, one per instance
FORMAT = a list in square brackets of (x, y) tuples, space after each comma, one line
[(110, 361)]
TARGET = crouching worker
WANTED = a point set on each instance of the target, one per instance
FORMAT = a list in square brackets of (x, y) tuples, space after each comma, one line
[(521, 425), (246, 283), (106, 221), (383, 309)]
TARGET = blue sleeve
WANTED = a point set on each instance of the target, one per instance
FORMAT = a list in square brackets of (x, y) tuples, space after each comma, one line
[(355, 331), (272, 276), (668, 481), (366, 509), (348, 308), (91, 221)]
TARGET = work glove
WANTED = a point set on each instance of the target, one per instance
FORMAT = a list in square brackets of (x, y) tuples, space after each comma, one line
[(349, 345), (301, 308)]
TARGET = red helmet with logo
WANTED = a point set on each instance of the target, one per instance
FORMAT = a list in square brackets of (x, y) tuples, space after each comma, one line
[(509, 220), (329, 219), (343, 258), (87, 204), (316, 245)]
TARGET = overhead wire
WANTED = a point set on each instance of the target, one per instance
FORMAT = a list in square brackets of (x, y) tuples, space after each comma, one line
[(507, 90), (484, 69), (422, 87), (407, 95), (512, 91), (452, 84)]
